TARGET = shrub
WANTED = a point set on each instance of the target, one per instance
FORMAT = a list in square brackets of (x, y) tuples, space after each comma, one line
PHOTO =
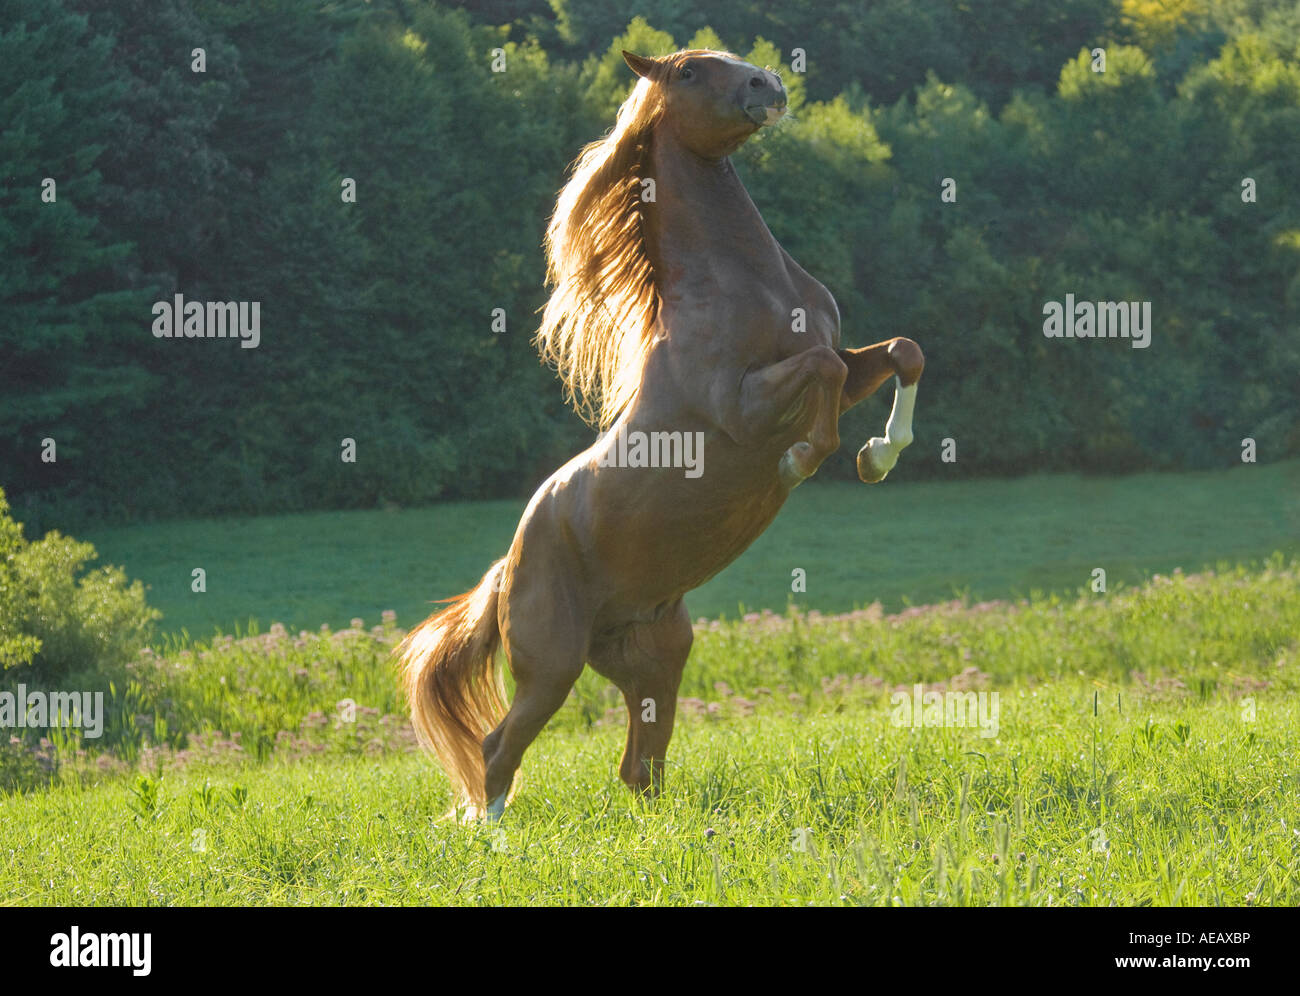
[(57, 617)]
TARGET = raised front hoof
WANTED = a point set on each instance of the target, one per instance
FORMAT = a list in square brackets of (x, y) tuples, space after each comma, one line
[(794, 468), (876, 460)]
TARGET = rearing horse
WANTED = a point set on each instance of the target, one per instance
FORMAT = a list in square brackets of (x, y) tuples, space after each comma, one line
[(669, 314)]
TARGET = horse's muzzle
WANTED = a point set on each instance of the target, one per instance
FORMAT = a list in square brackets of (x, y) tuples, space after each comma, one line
[(765, 114)]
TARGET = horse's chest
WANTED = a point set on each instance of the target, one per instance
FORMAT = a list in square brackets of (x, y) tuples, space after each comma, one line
[(759, 317), (797, 317), (783, 316)]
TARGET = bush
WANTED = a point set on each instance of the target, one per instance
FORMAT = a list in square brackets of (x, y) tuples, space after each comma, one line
[(59, 619)]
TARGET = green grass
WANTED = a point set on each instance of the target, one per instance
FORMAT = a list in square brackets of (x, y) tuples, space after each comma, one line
[(1146, 754), (897, 543), (838, 808)]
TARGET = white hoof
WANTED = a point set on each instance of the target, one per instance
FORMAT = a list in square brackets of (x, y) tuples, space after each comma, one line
[(879, 457)]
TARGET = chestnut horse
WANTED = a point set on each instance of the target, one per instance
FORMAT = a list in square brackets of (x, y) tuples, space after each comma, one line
[(675, 316)]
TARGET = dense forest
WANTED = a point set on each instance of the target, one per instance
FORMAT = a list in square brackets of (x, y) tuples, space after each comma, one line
[(378, 176)]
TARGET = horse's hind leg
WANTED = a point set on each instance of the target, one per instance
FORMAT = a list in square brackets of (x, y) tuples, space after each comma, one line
[(869, 368), (646, 661), (545, 644)]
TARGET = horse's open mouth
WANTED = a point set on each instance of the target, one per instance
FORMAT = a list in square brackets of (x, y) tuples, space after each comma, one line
[(765, 114)]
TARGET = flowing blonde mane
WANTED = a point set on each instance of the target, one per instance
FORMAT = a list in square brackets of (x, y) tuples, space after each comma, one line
[(597, 324)]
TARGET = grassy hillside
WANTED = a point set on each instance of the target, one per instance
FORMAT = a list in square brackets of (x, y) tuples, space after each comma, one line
[(897, 542)]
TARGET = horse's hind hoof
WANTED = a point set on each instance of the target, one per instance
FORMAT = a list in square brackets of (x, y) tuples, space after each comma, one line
[(471, 814)]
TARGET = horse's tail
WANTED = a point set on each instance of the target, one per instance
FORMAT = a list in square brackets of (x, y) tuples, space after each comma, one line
[(456, 694)]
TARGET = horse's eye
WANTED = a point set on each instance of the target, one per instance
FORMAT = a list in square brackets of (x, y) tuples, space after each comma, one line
[(687, 73)]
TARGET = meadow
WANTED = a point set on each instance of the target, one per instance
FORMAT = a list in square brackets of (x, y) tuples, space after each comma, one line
[(1145, 754), (1129, 643), (898, 543)]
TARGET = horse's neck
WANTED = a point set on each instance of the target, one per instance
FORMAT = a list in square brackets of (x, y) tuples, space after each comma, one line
[(702, 208)]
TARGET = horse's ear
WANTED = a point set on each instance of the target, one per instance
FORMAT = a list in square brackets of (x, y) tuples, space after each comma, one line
[(639, 64)]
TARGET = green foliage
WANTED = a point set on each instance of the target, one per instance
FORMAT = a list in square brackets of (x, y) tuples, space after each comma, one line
[(59, 620), (16, 647), (63, 316), (226, 185)]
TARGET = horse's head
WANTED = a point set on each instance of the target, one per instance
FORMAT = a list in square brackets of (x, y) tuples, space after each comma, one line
[(712, 101)]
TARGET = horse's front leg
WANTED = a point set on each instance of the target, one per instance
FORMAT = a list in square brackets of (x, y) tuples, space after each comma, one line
[(868, 368), (795, 398)]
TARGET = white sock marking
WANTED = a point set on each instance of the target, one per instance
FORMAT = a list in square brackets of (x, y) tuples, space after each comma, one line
[(883, 453)]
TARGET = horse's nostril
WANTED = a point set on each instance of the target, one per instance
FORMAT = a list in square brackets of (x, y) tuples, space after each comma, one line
[(756, 82)]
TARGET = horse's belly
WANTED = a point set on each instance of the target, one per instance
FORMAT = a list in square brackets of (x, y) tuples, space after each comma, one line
[(667, 537), (634, 538)]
